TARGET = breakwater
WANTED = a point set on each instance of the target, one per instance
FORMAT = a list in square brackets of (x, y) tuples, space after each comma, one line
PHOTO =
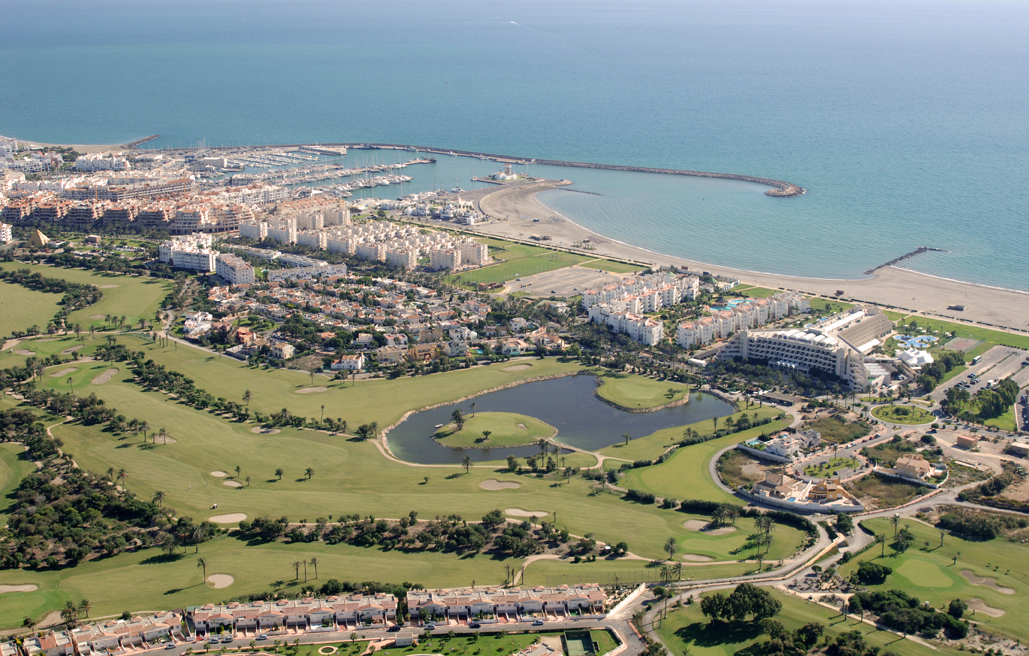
[(139, 142), (780, 188), (896, 260)]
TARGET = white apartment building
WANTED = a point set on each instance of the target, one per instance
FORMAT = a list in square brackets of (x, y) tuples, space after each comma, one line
[(640, 328), (316, 240), (371, 251), (723, 323), (234, 270), (405, 258), (5, 233), (97, 162), (472, 252), (644, 293), (254, 230), (444, 259), (833, 345), (189, 252), (286, 234)]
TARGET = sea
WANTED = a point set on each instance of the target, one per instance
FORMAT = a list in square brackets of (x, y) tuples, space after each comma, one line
[(907, 121)]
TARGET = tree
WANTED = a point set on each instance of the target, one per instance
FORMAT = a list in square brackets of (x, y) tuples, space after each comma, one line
[(85, 607), (473, 408), (881, 539), (158, 498), (121, 475), (485, 435), (246, 397), (466, 462), (671, 547), (957, 608), (248, 481), (314, 564), (70, 612), (895, 521), (626, 437), (278, 473), (309, 472), (145, 427), (458, 417), (202, 564), (296, 569)]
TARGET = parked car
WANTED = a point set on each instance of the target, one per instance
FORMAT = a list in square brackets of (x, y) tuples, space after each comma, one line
[(261, 637), (538, 623), (393, 629), (474, 625), (430, 627), (170, 645)]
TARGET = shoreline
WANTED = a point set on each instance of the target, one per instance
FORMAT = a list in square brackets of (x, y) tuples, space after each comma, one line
[(891, 287)]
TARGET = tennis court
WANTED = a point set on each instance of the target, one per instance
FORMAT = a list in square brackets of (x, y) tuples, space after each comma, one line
[(579, 643)]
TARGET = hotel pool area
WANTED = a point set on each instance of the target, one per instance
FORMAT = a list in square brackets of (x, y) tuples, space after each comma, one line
[(733, 303), (920, 342)]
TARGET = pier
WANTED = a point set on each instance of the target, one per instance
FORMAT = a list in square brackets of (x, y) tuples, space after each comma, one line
[(897, 260), (137, 142)]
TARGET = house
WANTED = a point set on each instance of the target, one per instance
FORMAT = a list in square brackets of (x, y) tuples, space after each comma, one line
[(515, 347), (364, 340), (1020, 449), (422, 352), (55, 643), (348, 363), (967, 441), (390, 355), (282, 351), (776, 485), (913, 467), (826, 491), (455, 349)]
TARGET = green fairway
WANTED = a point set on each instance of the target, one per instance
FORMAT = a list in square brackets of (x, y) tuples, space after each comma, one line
[(629, 391), (505, 428), (21, 307), (649, 447), (274, 389), (124, 296), (623, 571), (150, 580), (684, 475), (903, 414), (13, 467), (687, 630), (931, 573), (736, 543)]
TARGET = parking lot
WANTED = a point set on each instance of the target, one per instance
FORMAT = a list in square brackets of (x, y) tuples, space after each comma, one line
[(997, 363)]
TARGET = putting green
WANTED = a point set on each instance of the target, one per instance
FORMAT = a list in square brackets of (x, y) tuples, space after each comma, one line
[(924, 574), (506, 429)]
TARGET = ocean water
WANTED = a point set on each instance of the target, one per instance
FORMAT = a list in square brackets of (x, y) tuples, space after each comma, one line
[(905, 120)]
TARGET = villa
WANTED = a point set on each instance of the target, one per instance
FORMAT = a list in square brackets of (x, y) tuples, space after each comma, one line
[(915, 467)]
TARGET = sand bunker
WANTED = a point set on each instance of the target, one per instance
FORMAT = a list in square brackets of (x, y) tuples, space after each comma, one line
[(518, 512), (107, 286), (165, 440), (25, 352), (220, 580), (327, 650), (697, 558), (17, 588), (985, 580), (71, 350), (311, 390), (261, 430), (978, 606), (219, 474), (232, 483), (64, 372), (232, 518), (105, 377), (699, 525), (493, 485), (517, 367)]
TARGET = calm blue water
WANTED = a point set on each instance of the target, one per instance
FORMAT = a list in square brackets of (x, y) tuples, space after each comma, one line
[(905, 120)]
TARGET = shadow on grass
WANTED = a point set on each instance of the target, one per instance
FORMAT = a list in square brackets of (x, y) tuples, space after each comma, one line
[(713, 634), (162, 559)]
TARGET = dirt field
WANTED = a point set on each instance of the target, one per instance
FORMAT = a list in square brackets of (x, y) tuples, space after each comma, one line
[(563, 282)]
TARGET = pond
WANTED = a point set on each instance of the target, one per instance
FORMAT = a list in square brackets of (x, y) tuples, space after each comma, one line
[(568, 404)]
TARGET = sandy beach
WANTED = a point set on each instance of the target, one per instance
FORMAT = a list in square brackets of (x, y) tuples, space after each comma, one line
[(513, 208)]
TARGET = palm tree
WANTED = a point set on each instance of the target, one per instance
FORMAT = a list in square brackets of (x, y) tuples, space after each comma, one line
[(160, 433), (202, 564), (473, 408), (956, 556), (314, 564), (121, 475), (69, 613), (145, 427), (70, 390), (714, 422), (942, 533), (158, 498), (881, 539), (85, 607), (305, 570), (626, 437), (248, 481), (677, 568), (110, 474), (296, 569), (278, 473), (238, 470), (485, 435), (309, 472), (321, 417), (467, 463), (458, 418), (895, 520), (671, 547), (246, 397)]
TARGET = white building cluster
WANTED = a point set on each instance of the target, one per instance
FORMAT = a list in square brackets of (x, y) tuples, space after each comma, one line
[(835, 345), (621, 306), (5, 233), (189, 252), (724, 323), (98, 162)]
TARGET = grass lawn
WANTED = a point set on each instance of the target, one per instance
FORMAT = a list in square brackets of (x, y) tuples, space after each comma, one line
[(520, 260), (498, 644), (825, 468), (631, 391), (273, 389), (21, 307), (604, 640), (506, 429), (1004, 422), (685, 475), (903, 414), (605, 572), (686, 628), (13, 467), (827, 306), (755, 292), (129, 296), (651, 446), (931, 574), (611, 266)]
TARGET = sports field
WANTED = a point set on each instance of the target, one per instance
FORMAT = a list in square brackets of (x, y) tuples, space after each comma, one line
[(132, 297), (686, 630), (931, 573), (21, 307)]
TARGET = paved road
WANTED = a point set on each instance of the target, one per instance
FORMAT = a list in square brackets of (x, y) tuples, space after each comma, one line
[(997, 363)]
